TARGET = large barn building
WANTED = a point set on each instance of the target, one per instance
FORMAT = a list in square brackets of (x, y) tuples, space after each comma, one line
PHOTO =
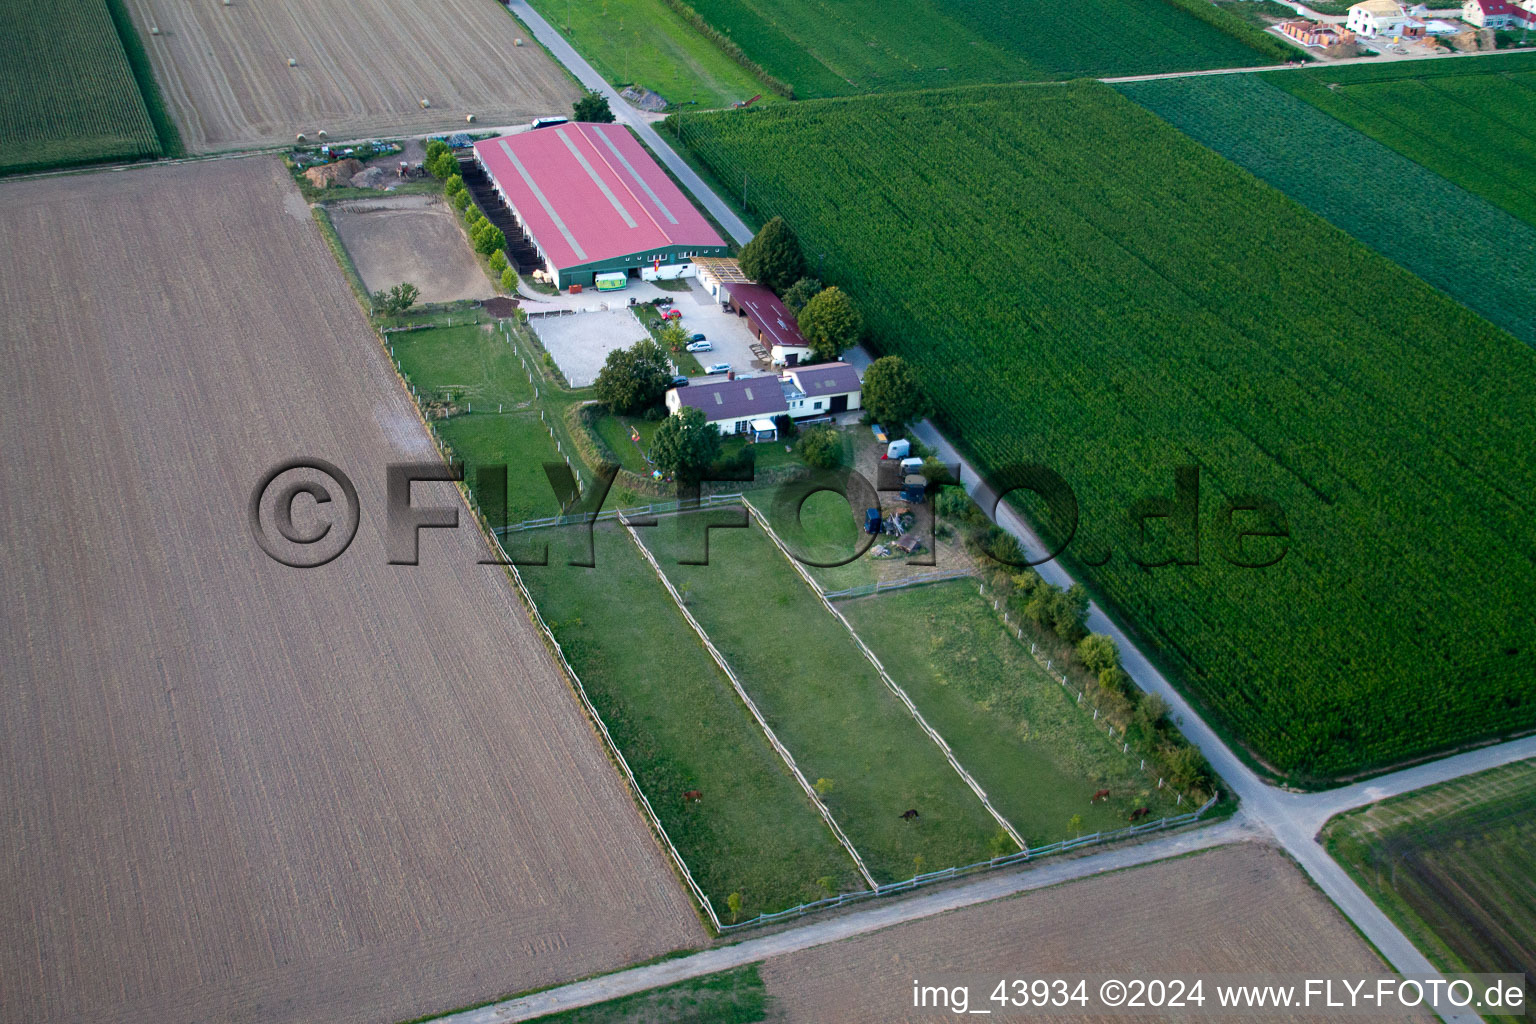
[(592, 201)]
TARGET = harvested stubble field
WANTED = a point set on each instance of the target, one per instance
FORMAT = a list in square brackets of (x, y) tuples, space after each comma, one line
[(231, 790), (362, 68), (1241, 909)]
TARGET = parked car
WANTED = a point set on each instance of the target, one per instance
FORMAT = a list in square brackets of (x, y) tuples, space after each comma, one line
[(871, 520), (679, 382), (718, 368), (695, 337), (700, 346), (672, 314)]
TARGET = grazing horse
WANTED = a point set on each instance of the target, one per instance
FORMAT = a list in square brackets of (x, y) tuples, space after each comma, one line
[(693, 796), (909, 815), (1140, 812), (1102, 794)]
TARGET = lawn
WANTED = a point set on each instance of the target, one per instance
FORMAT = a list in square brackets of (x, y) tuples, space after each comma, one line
[(1454, 866), (730, 997), (866, 46), (72, 87), (1165, 308), (1472, 121), (1456, 240), (826, 703), (646, 43), (1032, 747), (518, 441), (681, 727), (472, 365)]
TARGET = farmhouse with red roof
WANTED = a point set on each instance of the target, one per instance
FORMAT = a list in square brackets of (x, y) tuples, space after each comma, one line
[(1496, 14), (592, 201)]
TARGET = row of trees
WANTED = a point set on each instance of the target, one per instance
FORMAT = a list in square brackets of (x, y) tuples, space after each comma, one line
[(1059, 617)]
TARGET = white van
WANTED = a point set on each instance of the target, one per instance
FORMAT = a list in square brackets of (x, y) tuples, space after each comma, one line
[(910, 466), (898, 449)]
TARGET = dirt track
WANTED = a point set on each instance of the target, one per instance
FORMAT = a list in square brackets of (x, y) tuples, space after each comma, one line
[(231, 790), (1241, 909), (363, 66), (411, 238)]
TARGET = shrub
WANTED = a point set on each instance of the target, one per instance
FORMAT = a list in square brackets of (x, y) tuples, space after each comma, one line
[(1097, 652), (498, 261), (820, 447), (592, 107), (454, 185), (460, 201), (801, 292), (509, 280)]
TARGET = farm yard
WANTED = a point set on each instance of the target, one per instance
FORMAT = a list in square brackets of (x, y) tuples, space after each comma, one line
[(256, 790), (1470, 121), (1454, 866), (75, 97), (1452, 238), (863, 47), (1144, 325), (413, 239), (361, 69)]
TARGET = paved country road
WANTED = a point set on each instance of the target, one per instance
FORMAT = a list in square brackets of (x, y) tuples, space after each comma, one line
[(1292, 820)]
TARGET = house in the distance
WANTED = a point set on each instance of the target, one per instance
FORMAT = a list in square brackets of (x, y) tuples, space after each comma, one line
[(1378, 18), (1498, 14), (748, 405)]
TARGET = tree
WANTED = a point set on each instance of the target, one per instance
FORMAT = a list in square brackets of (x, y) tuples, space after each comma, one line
[(893, 392), (773, 257), (801, 292), (1075, 826), (498, 261), (395, 301), (672, 336), (460, 200), (1070, 613), (685, 445), (633, 378), (487, 238), (440, 161), (831, 323), (508, 280), (820, 447), (733, 904), (592, 107), (1097, 652), (454, 185)]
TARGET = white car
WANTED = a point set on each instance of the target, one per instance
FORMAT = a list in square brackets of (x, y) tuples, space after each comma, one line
[(718, 368), (700, 346)]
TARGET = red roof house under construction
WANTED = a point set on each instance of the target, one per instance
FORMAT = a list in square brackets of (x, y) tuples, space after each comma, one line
[(592, 201)]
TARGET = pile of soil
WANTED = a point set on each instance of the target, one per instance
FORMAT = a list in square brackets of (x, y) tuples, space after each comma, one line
[(327, 175), (500, 307)]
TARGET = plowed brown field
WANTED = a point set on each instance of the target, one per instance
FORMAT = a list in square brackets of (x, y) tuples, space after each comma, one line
[(363, 68), (1241, 909), (229, 790)]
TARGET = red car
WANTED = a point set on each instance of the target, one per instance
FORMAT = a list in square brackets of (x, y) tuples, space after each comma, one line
[(672, 314)]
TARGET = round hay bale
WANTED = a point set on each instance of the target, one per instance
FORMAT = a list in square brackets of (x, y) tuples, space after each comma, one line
[(425, 104), (292, 63), (300, 139), (518, 41), (470, 118), (321, 134), (154, 30)]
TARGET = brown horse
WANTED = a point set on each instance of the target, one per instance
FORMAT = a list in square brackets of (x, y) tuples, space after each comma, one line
[(1140, 812), (693, 796), (909, 815), (1102, 794)]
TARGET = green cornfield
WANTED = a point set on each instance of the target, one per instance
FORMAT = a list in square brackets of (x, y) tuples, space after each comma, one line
[(71, 95), (1089, 289), (866, 46), (1471, 121), (1456, 240)]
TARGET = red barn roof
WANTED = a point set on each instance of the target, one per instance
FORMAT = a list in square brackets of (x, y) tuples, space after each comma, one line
[(590, 192), (771, 317)]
